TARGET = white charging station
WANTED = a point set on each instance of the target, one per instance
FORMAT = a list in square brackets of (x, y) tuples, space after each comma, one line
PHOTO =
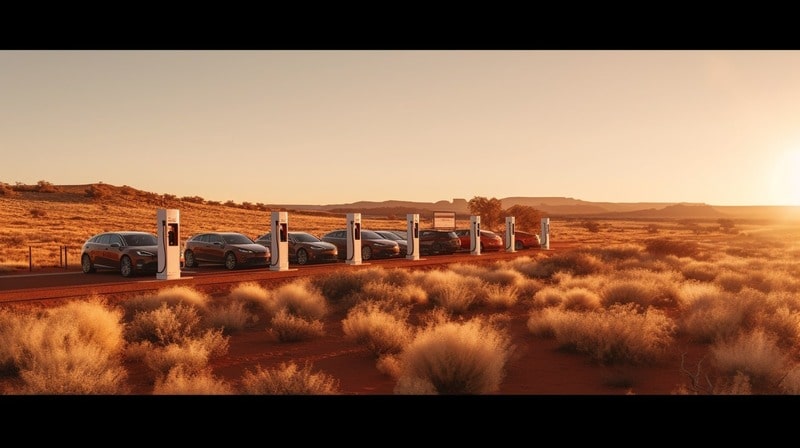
[(545, 237), (510, 243), (412, 239), (475, 235), (353, 255), (169, 246), (279, 242)]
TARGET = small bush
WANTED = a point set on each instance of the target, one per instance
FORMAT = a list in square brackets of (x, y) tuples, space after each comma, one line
[(288, 379), (290, 328), (755, 354), (383, 329), (179, 381)]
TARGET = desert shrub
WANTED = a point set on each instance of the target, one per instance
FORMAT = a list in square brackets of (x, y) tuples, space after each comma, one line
[(72, 349), (616, 335), (341, 288), (397, 277), (193, 199), (581, 299), (193, 354), (389, 365), (301, 299), (710, 314), (179, 381), (574, 262), (629, 291), (731, 281), (6, 190), (408, 293), (455, 358), (254, 296), (230, 317), (12, 331), (782, 322), (165, 325), (496, 274), (498, 296), (287, 327), (666, 246), (382, 328), (548, 296), (44, 186), (769, 280), (525, 265), (170, 296), (288, 379), (755, 354), (700, 270), (450, 290), (617, 252)]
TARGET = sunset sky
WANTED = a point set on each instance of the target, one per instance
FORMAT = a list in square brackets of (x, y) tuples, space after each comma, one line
[(336, 126)]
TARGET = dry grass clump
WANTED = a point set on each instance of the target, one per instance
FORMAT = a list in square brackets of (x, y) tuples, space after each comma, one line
[(755, 354), (575, 262), (548, 296), (581, 299), (288, 379), (666, 246), (255, 297), (192, 354), (496, 274), (381, 326), (71, 349), (700, 270), (619, 334), (455, 358), (449, 290), (231, 317), (709, 314), (287, 327), (300, 298), (172, 295), (182, 381), (498, 296), (342, 288), (645, 288), (164, 325), (409, 293), (731, 281)]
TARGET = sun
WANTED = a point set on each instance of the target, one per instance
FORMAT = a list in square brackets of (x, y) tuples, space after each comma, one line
[(785, 181)]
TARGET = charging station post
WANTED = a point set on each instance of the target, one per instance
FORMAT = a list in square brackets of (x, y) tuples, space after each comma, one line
[(353, 227), (169, 246), (545, 237), (475, 234), (279, 243), (510, 243), (412, 239)]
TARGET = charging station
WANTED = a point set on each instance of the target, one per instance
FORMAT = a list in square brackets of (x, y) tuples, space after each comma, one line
[(169, 246), (412, 239), (545, 237), (353, 238), (279, 243), (475, 235), (510, 243)]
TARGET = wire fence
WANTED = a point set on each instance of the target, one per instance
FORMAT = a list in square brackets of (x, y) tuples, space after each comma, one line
[(67, 257)]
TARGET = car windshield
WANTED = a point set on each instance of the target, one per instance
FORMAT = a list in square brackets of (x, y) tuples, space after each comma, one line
[(391, 236), (236, 238), (305, 237), (140, 240), (370, 235)]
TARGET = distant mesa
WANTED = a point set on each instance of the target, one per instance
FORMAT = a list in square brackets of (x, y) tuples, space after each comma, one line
[(552, 206)]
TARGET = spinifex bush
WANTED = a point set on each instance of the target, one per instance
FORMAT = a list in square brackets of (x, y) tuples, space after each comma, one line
[(709, 314), (666, 246), (455, 358), (755, 354), (164, 325), (341, 288), (574, 261), (288, 379), (72, 349), (231, 317), (179, 381), (381, 327), (255, 297), (172, 295), (287, 327), (617, 335), (192, 353), (449, 290), (409, 293), (301, 298)]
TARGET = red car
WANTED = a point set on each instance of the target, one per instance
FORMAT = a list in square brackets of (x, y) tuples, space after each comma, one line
[(524, 240), (490, 241)]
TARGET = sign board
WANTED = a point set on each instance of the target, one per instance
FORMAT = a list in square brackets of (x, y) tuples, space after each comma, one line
[(444, 220)]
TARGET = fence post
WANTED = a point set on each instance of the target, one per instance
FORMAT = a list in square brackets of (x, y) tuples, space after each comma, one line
[(65, 258), (30, 258)]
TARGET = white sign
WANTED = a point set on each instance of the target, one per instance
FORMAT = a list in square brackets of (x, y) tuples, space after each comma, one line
[(444, 220)]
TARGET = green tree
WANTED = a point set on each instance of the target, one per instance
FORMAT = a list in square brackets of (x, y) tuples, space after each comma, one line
[(490, 211), (526, 218)]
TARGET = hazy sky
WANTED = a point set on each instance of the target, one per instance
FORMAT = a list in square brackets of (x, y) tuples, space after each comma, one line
[(335, 126)]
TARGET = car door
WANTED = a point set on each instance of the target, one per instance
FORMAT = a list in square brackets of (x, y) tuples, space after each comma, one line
[(215, 248), (201, 248), (100, 249), (114, 249)]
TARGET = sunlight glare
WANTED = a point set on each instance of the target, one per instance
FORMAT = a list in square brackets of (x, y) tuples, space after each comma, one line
[(785, 182)]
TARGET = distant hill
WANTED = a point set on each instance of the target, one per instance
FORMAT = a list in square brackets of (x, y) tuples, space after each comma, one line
[(550, 205)]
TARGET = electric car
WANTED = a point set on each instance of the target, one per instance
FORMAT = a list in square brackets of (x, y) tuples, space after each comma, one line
[(394, 236), (524, 240), (129, 252), (304, 248), (232, 249), (372, 244), (490, 241), (438, 242)]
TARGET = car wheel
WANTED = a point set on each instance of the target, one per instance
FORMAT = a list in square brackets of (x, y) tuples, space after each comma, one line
[(125, 266), (302, 256), (230, 260), (86, 264), (437, 248), (188, 259), (366, 253), (518, 245)]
